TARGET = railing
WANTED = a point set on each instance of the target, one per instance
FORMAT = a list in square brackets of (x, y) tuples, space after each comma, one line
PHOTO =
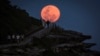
[(29, 38)]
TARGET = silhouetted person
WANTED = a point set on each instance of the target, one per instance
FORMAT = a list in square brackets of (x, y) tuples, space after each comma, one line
[(47, 24)]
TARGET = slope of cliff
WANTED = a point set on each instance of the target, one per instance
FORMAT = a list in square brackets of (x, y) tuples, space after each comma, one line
[(14, 20)]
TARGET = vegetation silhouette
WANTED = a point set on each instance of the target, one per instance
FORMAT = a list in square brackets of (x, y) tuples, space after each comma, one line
[(14, 20)]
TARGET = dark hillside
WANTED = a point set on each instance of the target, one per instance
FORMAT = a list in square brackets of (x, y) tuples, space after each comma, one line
[(14, 20)]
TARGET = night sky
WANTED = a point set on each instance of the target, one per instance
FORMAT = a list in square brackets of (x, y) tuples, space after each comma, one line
[(78, 15)]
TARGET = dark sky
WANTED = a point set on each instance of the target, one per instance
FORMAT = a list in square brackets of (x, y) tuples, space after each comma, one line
[(78, 15)]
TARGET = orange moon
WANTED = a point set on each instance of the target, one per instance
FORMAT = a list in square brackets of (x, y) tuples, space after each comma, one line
[(50, 13)]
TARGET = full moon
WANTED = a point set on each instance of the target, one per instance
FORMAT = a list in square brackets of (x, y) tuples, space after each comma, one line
[(50, 13)]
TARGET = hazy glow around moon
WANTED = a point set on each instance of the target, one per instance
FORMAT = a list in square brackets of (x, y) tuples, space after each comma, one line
[(50, 13)]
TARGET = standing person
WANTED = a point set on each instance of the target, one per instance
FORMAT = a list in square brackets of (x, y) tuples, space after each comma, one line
[(45, 24), (48, 24)]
